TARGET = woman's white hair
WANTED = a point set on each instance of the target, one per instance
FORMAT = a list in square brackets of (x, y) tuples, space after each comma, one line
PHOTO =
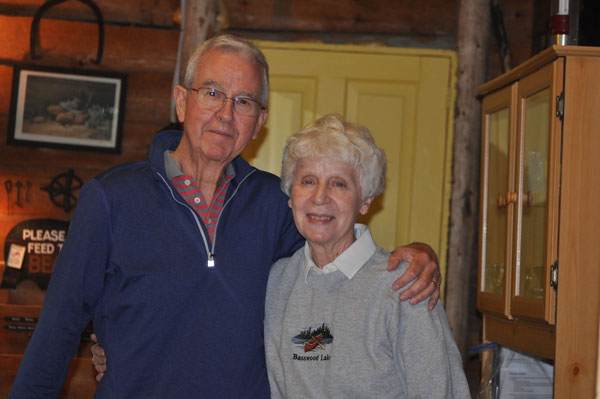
[(232, 44), (332, 137)]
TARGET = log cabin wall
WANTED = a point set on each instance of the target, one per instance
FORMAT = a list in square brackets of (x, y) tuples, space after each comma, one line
[(141, 41)]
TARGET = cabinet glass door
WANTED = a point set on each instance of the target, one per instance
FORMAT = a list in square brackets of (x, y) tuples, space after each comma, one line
[(497, 183), (533, 207), (495, 237), (538, 143)]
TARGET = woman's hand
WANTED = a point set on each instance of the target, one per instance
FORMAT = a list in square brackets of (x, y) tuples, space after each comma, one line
[(98, 357), (424, 267)]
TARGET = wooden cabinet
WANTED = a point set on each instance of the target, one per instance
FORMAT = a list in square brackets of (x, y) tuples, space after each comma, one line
[(539, 240)]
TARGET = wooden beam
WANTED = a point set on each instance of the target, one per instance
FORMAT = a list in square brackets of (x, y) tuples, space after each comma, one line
[(140, 12), (473, 41), (431, 18), (199, 21)]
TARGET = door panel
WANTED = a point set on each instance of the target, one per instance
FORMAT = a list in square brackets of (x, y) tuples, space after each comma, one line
[(388, 111)]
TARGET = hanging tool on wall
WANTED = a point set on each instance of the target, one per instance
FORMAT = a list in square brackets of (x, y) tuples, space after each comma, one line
[(19, 185), (34, 37), (8, 185), (28, 192)]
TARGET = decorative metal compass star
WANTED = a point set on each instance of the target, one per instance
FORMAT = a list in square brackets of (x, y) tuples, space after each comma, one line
[(62, 190)]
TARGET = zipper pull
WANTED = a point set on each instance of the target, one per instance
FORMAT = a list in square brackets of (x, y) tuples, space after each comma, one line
[(211, 260)]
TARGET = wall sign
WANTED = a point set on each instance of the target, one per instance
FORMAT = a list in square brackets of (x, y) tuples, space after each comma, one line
[(30, 250)]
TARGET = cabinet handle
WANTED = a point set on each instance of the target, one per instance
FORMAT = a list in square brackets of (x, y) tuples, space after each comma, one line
[(511, 198), (501, 200), (527, 198)]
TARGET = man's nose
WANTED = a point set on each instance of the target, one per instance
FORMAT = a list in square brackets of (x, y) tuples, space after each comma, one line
[(225, 112)]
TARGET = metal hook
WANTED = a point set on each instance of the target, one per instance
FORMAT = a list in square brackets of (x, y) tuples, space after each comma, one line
[(34, 37)]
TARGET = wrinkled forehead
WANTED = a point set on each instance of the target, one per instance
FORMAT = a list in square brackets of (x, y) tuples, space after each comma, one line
[(325, 165), (221, 67)]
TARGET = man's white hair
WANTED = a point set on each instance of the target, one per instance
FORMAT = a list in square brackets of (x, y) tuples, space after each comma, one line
[(232, 44)]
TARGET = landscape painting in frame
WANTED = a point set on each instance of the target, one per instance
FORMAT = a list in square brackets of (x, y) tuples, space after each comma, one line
[(63, 108)]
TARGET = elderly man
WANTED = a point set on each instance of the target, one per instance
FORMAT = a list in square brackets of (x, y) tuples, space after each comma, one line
[(170, 256)]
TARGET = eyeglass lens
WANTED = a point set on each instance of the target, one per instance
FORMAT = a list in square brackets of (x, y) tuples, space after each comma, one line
[(215, 98)]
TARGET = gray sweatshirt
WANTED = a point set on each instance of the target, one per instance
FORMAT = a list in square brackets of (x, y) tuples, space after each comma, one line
[(345, 334)]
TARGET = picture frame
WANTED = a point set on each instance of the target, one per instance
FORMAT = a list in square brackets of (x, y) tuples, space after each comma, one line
[(67, 108)]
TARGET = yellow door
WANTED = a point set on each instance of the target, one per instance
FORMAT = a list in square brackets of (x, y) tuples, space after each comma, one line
[(404, 96)]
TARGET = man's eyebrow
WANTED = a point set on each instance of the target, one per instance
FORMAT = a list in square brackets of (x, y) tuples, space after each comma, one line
[(218, 86), (211, 83)]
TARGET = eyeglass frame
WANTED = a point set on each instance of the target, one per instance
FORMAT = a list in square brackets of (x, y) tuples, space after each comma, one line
[(234, 99)]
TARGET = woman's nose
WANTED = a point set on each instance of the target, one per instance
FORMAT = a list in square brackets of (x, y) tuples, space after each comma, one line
[(321, 194)]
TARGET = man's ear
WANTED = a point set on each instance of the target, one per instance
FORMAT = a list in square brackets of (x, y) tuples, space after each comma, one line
[(260, 122), (180, 96), (364, 206)]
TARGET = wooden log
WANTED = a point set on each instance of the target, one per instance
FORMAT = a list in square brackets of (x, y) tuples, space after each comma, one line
[(473, 41), (199, 21), (147, 96), (140, 12), (404, 17), (69, 44), (135, 146)]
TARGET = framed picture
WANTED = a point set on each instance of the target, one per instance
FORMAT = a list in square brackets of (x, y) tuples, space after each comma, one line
[(63, 108)]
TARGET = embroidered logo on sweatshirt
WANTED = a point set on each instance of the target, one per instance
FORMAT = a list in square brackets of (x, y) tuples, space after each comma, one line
[(310, 340)]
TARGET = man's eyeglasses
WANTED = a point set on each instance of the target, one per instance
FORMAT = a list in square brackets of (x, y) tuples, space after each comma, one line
[(211, 98)]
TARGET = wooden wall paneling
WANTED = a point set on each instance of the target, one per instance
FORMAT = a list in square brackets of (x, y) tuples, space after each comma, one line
[(19, 155), (39, 204), (131, 50), (139, 137), (405, 17), (148, 97), (25, 301), (146, 112), (66, 43), (6, 73), (140, 12), (523, 34)]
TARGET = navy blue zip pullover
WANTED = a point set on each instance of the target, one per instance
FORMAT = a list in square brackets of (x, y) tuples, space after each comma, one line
[(135, 261)]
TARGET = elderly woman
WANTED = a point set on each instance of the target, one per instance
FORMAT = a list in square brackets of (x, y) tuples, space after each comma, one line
[(333, 327)]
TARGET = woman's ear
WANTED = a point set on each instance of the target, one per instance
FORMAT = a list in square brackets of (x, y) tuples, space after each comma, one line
[(364, 206)]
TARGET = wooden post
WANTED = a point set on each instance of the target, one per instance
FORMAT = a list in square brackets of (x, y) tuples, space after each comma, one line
[(473, 41), (198, 19)]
